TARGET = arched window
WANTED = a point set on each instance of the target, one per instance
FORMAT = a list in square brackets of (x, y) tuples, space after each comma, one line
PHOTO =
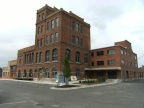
[(86, 58), (30, 73), (78, 73), (55, 54), (25, 73), (67, 54), (47, 56), (46, 73), (77, 56), (54, 72), (19, 74)]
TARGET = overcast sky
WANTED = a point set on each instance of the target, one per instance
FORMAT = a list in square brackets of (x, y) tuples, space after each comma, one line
[(110, 20)]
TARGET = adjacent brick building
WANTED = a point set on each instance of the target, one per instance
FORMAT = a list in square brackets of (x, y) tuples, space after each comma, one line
[(61, 34), (114, 62), (141, 72)]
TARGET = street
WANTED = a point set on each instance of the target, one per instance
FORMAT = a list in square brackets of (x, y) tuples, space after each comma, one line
[(15, 94)]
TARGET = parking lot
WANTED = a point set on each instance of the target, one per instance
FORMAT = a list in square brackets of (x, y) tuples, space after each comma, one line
[(15, 94)]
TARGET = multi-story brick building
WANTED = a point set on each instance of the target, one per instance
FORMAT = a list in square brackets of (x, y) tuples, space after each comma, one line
[(114, 62), (61, 34)]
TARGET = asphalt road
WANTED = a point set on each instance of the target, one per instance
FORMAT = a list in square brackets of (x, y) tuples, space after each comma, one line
[(31, 95)]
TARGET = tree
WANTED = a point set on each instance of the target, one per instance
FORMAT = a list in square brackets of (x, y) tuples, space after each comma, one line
[(66, 70)]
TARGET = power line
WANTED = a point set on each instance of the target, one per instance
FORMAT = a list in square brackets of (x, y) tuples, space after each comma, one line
[(141, 57)]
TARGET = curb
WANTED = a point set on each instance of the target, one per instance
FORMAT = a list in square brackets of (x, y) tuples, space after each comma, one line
[(82, 86)]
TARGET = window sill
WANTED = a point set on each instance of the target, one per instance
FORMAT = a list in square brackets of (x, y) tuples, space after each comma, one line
[(48, 62), (78, 63), (55, 61)]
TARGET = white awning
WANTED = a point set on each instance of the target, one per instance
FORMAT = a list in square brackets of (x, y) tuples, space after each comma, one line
[(109, 68)]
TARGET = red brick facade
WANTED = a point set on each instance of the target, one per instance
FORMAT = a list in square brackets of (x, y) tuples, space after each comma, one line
[(114, 62), (61, 34), (57, 32)]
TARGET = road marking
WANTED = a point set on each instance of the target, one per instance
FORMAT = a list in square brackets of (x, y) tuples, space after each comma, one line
[(12, 103)]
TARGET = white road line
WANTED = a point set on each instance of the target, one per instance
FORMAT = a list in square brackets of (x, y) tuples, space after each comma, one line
[(12, 103)]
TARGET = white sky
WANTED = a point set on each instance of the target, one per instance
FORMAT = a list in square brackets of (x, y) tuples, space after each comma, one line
[(110, 20)]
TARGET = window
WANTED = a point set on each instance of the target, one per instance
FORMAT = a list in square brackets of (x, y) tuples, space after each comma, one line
[(47, 40), (43, 16), (42, 29), (122, 62), (100, 53), (25, 73), (81, 42), (38, 43), (81, 29), (38, 30), (19, 61), (111, 62), (52, 24), (46, 73), (67, 53), (86, 58), (57, 21), (36, 57), (54, 72), (77, 27), (52, 38), (78, 73), (111, 52), (100, 63), (77, 40), (73, 25), (56, 37), (77, 56), (32, 59), (47, 56), (25, 59), (55, 54), (30, 73), (92, 63), (41, 42), (122, 52), (40, 57), (39, 18), (73, 39), (92, 54), (48, 26)]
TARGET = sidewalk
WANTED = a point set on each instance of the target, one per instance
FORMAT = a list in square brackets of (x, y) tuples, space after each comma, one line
[(70, 88)]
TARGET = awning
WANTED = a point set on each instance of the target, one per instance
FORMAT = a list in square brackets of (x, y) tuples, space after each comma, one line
[(109, 68)]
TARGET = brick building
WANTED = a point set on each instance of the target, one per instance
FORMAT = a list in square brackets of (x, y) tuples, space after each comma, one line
[(5, 73), (12, 66), (61, 34), (114, 62), (141, 72)]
